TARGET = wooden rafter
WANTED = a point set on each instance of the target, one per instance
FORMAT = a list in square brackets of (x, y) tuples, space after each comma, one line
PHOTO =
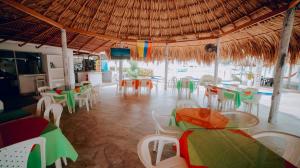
[(123, 18), (294, 3), (74, 39), (36, 37), (150, 21), (213, 14), (63, 12), (178, 17), (23, 1), (170, 27), (190, 16), (47, 40), (110, 16), (88, 42), (203, 13), (226, 13), (140, 19), (95, 15), (101, 45), (53, 2), (79, 12)]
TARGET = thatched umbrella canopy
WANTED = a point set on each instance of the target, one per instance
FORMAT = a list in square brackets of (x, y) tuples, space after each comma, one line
[(246, 27)]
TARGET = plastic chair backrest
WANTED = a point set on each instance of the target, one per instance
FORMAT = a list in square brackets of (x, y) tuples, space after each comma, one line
[(43, 89), (186, 103), (56, 110), (252, 92), (16, 155), (185, 82), (292, 142), (143, 147), (1, 106), (42, 104)]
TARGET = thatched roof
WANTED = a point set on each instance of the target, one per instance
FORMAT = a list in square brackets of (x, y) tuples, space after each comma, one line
[(246, 27)]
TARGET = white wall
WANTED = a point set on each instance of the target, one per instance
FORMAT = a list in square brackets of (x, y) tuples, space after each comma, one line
[(13, 45)]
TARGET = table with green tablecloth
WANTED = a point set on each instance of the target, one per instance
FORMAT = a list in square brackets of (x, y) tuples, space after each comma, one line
[(221, 148), (70, 95), (57, 145)]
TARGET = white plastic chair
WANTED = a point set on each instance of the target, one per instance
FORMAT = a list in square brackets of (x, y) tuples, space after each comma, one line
[(144, 86), (226, 103), (43, 90), (211, 96), (292, 145), (1, 106), (56, 110), (129, 85), (160, 120), (84, 98), (60, 99), (16, 155), (255, 101), (145, 157), (42, 104)]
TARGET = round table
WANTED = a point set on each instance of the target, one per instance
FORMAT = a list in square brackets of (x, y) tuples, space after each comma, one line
[(240, 120)]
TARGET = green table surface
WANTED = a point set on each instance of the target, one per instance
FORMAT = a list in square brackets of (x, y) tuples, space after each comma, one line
[(227, 149), (57, 146), (13, 115)]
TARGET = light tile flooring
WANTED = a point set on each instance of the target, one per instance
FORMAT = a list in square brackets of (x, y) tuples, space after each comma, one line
[(107, 136)]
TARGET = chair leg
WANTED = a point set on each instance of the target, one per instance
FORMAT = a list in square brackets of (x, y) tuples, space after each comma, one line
[(257, 110), (87, 105), (69, 109), (58, 163), (64, 159), (161, 145)]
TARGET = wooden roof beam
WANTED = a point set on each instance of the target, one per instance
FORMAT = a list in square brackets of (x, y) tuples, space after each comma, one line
[(36, 37), (46, 41), (74, 39), (31, 12), (63, 12), (293, 3), (88, 42), (95, 15), (190, 16), (178, 17), (213, 14), (101, 45), (53, 2), (79, 12), (110, 16), (226, 13), (123, 18)]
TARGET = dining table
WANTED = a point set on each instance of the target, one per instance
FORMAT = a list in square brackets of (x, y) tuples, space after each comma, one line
[(57, 145), (239, 95), (206, 118), (225, 148), (70, 93)]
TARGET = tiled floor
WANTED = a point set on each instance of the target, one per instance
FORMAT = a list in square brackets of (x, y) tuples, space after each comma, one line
[(107, 136)]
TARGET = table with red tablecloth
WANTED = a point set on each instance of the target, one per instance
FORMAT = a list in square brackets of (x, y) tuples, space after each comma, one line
[(57, 145), (222, 148)]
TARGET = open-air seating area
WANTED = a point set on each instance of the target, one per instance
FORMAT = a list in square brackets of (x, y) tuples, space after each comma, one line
[(149, 83)]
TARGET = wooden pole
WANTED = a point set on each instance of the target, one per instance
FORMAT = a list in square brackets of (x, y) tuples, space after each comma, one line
[(166, 66), (65, 57), (289, 77), (282, 58), (217, 61)]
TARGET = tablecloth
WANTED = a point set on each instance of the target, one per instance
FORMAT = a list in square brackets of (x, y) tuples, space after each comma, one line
[(227, 149), (57, 145), (195, 118)]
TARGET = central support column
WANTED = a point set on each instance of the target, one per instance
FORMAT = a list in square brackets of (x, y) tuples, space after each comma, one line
[(282, 58), (65, 58), (166, 66), (217, 61)]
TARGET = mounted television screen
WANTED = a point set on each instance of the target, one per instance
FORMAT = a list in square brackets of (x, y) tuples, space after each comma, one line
[(120, 53)]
